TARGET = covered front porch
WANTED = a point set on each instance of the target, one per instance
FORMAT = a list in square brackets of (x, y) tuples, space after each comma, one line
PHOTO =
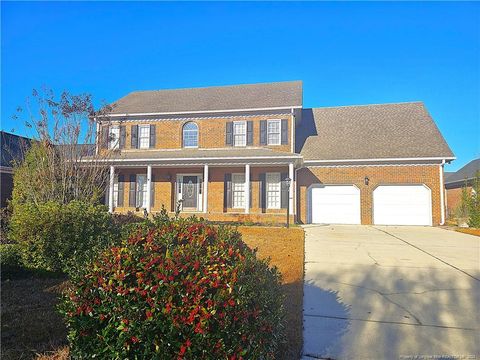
[(254, 191)]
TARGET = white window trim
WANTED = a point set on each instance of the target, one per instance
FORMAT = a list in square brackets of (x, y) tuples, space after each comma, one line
[(279, 131), (233, 191), (244, 122), (279, 190), (183, 136), (140, 127), (114, 144)]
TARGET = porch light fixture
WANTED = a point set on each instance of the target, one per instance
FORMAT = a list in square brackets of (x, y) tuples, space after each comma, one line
[(287, 184), (366, 180)]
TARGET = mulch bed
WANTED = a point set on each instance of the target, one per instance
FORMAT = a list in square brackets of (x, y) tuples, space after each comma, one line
[(285, 248), (471, 231)]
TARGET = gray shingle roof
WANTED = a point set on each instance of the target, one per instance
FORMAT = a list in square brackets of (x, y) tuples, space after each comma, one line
[(465, 173), (12, 148), (202, 155), (401, 130), (253, 96)]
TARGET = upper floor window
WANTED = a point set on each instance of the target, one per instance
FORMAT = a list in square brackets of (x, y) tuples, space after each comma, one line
[(239, 133), (144, 136), (114, 137), (190, 135), (273, 132)]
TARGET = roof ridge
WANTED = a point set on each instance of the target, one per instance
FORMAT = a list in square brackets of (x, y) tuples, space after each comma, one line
[(218, 86), (364, 105)]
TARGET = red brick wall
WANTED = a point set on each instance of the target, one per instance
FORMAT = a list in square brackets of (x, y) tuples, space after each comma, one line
[(454, 199), (378, 175), (165, 190), (211, 132)]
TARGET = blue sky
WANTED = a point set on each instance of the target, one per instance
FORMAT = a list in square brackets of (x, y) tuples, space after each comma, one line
[(345, 53)]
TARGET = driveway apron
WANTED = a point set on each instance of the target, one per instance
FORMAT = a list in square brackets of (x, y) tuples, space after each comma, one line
[(387, 292)]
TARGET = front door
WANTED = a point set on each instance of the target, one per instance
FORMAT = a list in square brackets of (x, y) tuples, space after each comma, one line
[(190, 192)]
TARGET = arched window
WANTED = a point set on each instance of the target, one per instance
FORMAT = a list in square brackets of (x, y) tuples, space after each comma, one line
[(190, 135)]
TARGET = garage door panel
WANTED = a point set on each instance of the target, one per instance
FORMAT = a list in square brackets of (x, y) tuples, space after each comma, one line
[(402, 205), (335, 204)]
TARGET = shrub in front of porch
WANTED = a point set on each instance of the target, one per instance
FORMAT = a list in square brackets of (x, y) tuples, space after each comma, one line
[(62, 237), (182, 289)]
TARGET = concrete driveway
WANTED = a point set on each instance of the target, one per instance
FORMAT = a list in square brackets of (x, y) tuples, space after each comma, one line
[(387, 292)]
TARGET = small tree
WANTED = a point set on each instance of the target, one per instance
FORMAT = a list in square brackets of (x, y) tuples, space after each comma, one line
[(474, 203), (462, 209), (62, 164)]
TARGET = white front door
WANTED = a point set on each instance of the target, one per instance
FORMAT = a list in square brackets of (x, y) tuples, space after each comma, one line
[(335, 204), (402, 205)]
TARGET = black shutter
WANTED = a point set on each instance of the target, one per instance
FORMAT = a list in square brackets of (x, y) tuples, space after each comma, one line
[(263, 191), (134, 136), (249, 132), (227, 191), (153, 136), (229, 133), (121, 189), (123, 136), (104, 137), (152, 193), (263, 132), (284, 132), (132, 198), (284, 191), (173, 198)]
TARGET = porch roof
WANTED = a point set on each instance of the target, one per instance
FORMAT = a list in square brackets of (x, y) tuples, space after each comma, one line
[(204, 156)]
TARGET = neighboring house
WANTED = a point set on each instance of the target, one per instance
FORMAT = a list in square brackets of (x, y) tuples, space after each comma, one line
[(456, 181), (226, 153), (12, 148)]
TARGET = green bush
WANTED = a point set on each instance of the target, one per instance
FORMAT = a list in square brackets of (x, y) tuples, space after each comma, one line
[(60, 237), (5, 215), (129, 222), (474, 203), (182, 289), (10, 257)]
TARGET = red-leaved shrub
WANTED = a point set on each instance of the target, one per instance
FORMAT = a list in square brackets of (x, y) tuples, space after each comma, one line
[(182, 289)]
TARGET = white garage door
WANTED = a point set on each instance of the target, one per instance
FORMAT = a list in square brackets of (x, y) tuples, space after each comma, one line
[(402, 205), (335, 204)]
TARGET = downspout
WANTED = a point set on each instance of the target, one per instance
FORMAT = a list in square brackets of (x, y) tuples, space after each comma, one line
[(442, 191)]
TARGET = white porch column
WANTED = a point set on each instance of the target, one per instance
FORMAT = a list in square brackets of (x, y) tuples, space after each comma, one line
[(205, 188), (247, 189), (290, 189), (110, 188), (149, 188)]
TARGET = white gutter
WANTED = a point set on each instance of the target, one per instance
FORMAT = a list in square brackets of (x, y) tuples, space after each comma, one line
[(6, 169), (442, 191), (201, 111), (308, 162)]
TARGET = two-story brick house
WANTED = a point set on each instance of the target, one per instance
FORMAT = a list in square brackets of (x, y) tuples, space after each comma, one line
[(252, 152)]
